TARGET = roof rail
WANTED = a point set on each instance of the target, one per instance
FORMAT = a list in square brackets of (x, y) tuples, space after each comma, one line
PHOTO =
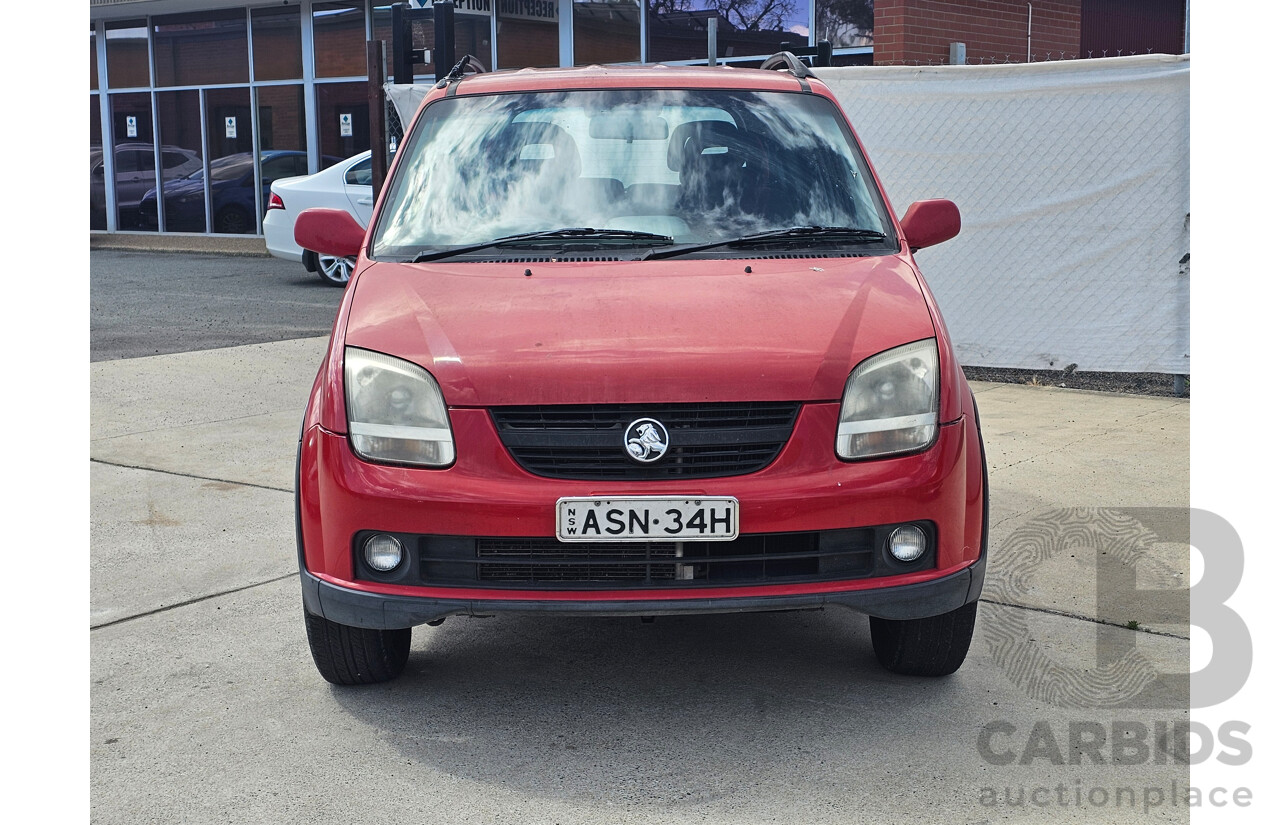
[(790, 62), (467, 65)]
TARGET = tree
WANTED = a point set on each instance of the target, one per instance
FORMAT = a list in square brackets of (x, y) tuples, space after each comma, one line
[(845, 22), (744, 15)]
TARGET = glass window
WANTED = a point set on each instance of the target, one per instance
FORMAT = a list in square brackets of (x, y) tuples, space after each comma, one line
[(361, 174), (845, 23), (282, 122), (339, 40), (134, 155), (135, 159), (230, 140), (689, 166), (93, 61), (170, 160), (420, 29), (528, 33), (282, 164), (281, 119), (606, 31), (678, 28), (97, 184), (471, 32), (127, 54), (343, 111), (277, 43), (201, 49), (182, 178)]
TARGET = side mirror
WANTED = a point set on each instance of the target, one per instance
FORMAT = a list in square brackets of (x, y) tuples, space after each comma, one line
[(329, 232), (930, 222)]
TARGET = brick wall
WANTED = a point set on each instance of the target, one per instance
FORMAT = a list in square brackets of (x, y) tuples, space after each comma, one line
[(921, 31)]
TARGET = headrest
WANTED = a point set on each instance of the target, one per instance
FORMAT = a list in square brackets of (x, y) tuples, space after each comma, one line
[(536, 143), (689, 140)]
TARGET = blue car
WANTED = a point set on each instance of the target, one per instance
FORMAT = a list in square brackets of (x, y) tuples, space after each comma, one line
[(231, 191)]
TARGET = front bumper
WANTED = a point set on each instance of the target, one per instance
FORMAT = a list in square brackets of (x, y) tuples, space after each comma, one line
[(376, 610), (485, 493)]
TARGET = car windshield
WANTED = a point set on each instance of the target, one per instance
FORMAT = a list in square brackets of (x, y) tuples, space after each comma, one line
[(653, 167)]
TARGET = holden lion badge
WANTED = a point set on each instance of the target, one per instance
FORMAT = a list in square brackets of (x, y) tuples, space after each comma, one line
[(646, 440)]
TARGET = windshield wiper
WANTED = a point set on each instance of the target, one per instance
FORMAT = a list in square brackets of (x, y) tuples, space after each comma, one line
[(796, 235), (569, 234)]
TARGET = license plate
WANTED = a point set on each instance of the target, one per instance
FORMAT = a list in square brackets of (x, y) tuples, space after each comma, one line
[(649, 518)]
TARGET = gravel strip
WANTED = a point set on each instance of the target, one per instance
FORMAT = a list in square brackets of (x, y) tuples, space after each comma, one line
[(1134, 383)]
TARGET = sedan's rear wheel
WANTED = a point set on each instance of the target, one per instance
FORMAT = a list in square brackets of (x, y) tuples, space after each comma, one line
[(336, 271), (347, 655), (934, 646)]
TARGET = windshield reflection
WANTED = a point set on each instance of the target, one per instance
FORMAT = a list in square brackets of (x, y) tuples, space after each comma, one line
[(698, 166)]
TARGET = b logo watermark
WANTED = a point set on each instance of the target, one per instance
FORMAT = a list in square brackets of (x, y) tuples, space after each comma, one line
[(1121, 540)]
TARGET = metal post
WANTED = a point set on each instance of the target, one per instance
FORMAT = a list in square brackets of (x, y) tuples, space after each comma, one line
[(564, 32), (108, 129), (310, 103), (204, 159), (1028, 32), (377, 57), (444, 53), (401, 45), (644, 31), (823, 57), (254, 123), (712, 25), (158, 173), (1186, 29)]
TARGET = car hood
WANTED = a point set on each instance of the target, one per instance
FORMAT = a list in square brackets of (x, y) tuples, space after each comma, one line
[(626, 332)]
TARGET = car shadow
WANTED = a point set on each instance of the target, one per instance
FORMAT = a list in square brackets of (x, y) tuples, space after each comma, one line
[(682, 709)]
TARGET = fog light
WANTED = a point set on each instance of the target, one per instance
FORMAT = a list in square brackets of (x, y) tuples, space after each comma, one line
[(383, 552), (907, 543)]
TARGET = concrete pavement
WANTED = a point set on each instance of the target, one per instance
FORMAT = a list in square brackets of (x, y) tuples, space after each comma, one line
[(206, 707)]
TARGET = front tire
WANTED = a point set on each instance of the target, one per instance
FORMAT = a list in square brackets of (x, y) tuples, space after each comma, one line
[(933, 646), (347, 655)]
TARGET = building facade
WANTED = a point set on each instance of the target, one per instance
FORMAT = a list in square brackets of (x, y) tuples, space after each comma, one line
[(195, 107)]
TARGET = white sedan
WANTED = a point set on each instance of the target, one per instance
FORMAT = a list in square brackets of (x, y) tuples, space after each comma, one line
[(348, 184)]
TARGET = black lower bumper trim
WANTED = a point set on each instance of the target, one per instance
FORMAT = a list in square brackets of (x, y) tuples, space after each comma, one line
[(909, 601)]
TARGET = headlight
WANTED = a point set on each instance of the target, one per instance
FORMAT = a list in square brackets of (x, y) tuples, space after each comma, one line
[(890, 403), (395, 411)]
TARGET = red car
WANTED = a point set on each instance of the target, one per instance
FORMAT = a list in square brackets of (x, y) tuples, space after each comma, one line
[(637, 341)]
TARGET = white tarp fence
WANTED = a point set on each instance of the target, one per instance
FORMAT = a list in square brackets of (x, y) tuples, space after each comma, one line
[(406, 97), (1073, 182)]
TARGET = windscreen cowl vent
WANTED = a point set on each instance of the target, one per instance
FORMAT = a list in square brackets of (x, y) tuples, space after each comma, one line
[(557, 260), (790, 255)]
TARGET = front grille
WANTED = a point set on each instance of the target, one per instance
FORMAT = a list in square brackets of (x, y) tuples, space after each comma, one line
[(586, 441), (541, 560), (534, 563), (826, 555)]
